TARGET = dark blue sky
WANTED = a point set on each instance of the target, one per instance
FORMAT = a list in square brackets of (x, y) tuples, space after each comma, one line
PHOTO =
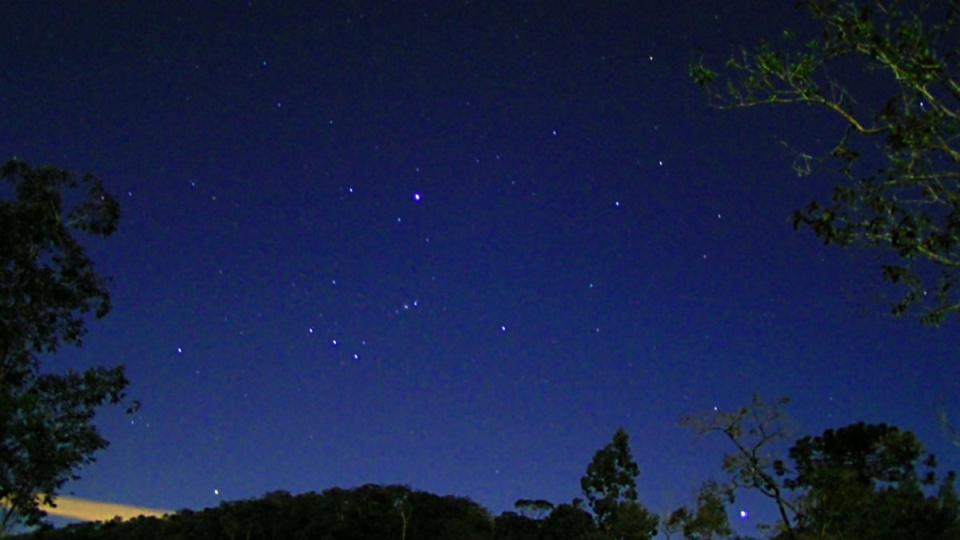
[(449, 244)]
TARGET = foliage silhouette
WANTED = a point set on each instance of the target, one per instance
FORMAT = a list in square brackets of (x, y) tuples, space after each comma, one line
[(47, 286), (858, 482), (610, 487), (888, 71)]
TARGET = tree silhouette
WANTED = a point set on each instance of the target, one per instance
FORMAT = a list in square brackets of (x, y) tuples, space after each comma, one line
[(755, 431), (610, 487), (47, 286), (708, 520)]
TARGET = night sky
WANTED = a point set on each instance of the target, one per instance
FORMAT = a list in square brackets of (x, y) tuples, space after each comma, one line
[(453, 245)]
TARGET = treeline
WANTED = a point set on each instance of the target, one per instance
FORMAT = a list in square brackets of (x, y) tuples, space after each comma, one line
[(374, 512), (859, 482), (369, 512)]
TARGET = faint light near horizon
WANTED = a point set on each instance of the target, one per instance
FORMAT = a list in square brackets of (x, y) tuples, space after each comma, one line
[(90, 510)]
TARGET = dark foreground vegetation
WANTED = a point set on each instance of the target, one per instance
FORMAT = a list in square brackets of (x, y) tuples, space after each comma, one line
[(869, 482), (367, 512)]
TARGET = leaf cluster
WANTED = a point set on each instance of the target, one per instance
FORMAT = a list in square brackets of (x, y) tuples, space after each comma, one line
[(47, 435), (898, 159), (47, 281)]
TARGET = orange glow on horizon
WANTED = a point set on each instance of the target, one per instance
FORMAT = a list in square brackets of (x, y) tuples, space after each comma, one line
[(87, 510)]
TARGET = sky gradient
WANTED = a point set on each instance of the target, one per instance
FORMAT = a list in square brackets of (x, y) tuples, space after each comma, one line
[(453, 245)]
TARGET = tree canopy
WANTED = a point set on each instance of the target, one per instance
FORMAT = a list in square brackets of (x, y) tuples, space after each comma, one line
[(47, 286), (869, 481), (862, 481), (897, 150), (708, 519)]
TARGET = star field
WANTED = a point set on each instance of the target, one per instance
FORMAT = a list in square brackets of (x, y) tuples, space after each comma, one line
[(453, 246)]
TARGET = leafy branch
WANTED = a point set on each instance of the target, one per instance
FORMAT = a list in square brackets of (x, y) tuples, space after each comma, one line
[(908, 204)]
